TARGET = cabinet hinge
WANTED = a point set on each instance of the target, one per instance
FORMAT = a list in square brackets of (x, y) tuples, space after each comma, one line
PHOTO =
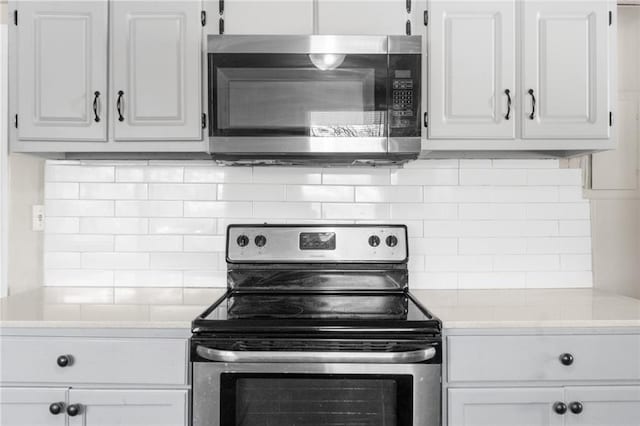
[(610, 18), (16, 122), (425, 120), (203, 18), (610, 119), (15, 17), (408, 6), (221, 7), (425, 16), (204, 121), (408, 27), (221, 26)]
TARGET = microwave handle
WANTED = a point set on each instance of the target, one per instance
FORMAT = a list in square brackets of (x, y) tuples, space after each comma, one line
[(407, 357)]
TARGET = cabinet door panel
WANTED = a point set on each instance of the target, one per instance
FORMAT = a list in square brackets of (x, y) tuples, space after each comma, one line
[(504, 407), (156, 65), (268, 17), (30, 406), (363, 17), (472, 64), (566, 64), (611, 406), (130, 407), (61, 63)]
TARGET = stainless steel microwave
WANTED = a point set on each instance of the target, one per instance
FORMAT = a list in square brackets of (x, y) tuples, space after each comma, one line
[(321, 99)]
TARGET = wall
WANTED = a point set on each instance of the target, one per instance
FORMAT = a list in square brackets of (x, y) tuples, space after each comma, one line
[(616, 185), (472, 223)]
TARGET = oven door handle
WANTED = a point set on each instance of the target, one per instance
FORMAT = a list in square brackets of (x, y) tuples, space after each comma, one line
[(407, 357)]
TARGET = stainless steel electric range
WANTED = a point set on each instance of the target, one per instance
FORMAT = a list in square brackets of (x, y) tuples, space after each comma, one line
[(317, 327)]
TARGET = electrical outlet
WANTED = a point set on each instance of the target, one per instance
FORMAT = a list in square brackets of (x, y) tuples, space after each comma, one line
[(37, 217)]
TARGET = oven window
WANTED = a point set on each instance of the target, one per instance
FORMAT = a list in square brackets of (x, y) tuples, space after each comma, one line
[(298, 95), (304, 400)]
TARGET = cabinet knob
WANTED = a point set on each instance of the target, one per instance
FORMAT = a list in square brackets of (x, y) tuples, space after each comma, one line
[(56, 408), (560, 407), (566, 359), (576, 407), (64, 360), (74, 409)]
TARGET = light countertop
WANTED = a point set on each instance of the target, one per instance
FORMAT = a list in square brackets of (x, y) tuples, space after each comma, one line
[(176, 307)]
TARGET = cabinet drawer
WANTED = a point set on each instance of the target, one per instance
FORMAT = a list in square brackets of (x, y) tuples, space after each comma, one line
[(93, 360), (537, 358)]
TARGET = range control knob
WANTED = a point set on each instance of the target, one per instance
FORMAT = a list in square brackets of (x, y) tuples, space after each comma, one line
[(260, 240), (392, 241), (374, 241), (243, 240)]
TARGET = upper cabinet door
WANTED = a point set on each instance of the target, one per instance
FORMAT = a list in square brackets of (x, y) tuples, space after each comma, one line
[(156, 70), (268, 17), (30, 406), (364, 17), (61, 70), (472, 69), (565, 69), (611, 406)]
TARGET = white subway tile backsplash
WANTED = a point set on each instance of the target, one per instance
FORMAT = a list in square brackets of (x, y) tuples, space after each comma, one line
[(113, 191), (114, 261), (113, 225), (78, 208), (217, 209), (182, 191), (389, 194), (471, 223), (148, 243), (62, 191), (182, 226), (427, 177), (326, 193), (149, 208), (492, 177), (250, 192)]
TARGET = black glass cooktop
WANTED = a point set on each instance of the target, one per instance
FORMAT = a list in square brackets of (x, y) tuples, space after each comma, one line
[(310, 311)]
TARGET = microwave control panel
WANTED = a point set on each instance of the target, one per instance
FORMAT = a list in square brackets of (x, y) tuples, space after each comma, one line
[(404, 96)]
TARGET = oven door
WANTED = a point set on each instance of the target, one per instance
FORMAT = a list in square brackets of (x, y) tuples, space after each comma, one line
[(284, 394), (321, 95)]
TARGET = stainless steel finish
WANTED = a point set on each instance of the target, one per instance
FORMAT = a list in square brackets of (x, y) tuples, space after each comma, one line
[(352, 244), (297, 145), (206, 385), (405, 44), (313, 357), (346, 44)]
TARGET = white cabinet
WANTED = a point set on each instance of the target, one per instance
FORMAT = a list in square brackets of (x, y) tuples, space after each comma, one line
[(30, 406), (504, 407), (565, 69), (155, 68), (610, 406), (266, 17), (554, 58), (365, 17), (108, 407), (61, 71), (472, 70)]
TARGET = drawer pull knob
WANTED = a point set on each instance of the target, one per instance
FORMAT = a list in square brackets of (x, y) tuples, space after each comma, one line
[(64, 360), (576, 407), (74, 409), (566, 359), (560, 407), (56, 408)]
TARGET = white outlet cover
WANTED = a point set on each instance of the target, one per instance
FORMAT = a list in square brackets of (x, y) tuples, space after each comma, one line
[(37, 217)]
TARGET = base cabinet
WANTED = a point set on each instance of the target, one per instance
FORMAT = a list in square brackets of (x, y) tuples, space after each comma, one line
[(102, 407), (604, 405), (31, 406), (504, 407)]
